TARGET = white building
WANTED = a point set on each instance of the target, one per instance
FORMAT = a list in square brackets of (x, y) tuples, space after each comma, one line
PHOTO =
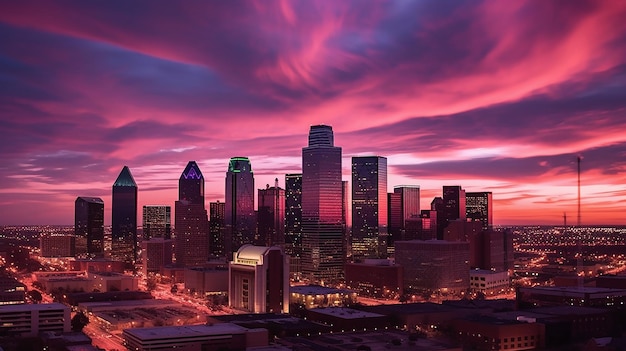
[(487, 281), (31, 319), (259, 280)]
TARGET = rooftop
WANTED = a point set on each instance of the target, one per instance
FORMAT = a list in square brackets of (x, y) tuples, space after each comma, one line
[(33, 307), (185, 331), (317, 290), (345, 313)]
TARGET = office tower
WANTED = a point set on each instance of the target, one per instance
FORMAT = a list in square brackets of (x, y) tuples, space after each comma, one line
[(271, 216), (322, 236), (437, 205), (156, 254), (157, 222), (403, 206), (479, 208), (124, 219), (454, 203), (346, 245), (216, 229), (259, 280), (434, 265), (191, 221), (369, 207), (239, 214), (89, 226), (293, 221)]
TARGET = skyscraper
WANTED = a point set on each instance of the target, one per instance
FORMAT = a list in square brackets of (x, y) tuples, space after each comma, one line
[(89, 226), (216, 229), (404, 205), (479, 208), (239, 216), (293, 220), (157, 222), (452, 208), (124, 218), (191, 221), (271, 216), (322, 249), (369, 207)]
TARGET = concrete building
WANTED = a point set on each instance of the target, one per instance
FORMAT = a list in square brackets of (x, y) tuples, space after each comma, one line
[(96, 265), (205, 281), (225, 336), (293, 221), (271, 216), (12, 292), (55, 245), (259, 279), (434, 265), (156, 253), (489, 282), (29, 320), (490, 333), (342, 319), (379, 278)]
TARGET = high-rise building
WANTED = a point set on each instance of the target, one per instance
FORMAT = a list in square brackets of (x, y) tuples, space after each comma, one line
[(89, 226), (191, 221), (293, 221), (259, 280), (157, 222), (322, 224), (57, 245), (403, 206), (124, 218), (271, 216), (479, 208), (157, 253), (369, 207), (437, 205), (239, 216), (345, 229), (216, 229), (454, 203)]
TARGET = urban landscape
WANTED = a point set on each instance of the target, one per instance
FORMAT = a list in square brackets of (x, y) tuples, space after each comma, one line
[(283, 175)]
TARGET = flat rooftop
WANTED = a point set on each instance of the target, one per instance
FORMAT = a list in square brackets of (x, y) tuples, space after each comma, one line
[(317, 290), (574, 290), (145, 303), (33, 307), (185, 331), (345, 313)]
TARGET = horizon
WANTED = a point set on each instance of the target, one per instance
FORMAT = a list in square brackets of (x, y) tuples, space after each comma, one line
[(490, 96)]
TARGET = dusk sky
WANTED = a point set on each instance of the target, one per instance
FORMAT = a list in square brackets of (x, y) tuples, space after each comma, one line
[(497, 96)]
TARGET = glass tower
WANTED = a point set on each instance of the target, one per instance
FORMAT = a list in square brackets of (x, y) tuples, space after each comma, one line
[(124, 218), (216, 229), (369, 207), (322, 249), (271, 216), (89, 226), (239, 216), (191, 221), (293, 221)]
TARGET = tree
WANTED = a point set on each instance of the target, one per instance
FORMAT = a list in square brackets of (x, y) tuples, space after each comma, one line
[(35, 295), (79, 321)]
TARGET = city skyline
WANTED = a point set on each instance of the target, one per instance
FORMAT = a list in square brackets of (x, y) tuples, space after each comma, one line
[(489, 96)]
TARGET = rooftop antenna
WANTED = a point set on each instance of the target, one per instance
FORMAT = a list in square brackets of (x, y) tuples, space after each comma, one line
[(578, 161)]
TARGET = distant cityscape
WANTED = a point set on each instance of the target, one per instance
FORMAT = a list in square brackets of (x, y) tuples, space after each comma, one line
[(294, 275)]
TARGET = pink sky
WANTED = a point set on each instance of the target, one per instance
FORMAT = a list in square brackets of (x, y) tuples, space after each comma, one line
[(494, 96)]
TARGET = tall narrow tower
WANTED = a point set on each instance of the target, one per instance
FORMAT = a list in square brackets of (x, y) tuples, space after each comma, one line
[(239, 216), (369, 207), (578, 161), (124, 219), (322, 246), (191, 220)]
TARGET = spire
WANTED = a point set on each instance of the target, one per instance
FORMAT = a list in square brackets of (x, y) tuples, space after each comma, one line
[(125, 178), (192, 171)]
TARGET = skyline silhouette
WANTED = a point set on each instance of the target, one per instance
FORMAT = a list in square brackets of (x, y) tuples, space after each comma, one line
[(490, 96)]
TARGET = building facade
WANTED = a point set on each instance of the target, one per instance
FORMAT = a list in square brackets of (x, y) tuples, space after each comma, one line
[(157, 222), (89, 226), (239, 217), (403, 205), (369, 207), (259, 280), (479, 207), (217, 247), (57, 245), (191, 222), (29, 320), (322, 208), (271, 216), (124, 218), (293, 221)]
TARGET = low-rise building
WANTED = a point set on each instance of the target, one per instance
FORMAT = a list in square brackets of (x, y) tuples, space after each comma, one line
[(31, 319), (488, 282), (194, 337), (489, 333), (12, 292), (314, 296), (379, 278)]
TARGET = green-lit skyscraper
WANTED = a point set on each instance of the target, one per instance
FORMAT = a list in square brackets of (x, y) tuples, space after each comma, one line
[(239, 216)]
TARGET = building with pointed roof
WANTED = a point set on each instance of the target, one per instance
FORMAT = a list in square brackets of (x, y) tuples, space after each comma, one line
[(191, 220), (124, 219)]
